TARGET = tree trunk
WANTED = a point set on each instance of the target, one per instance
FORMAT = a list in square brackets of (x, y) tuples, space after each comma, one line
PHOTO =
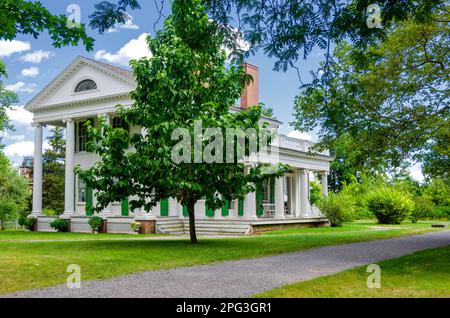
[(191, 212)]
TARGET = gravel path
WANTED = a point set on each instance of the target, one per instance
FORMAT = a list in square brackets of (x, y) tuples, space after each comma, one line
[(243, 278)]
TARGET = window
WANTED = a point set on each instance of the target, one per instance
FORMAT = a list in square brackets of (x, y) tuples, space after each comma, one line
[(82, 136), (86, 85), (81, 191), (118, 122)]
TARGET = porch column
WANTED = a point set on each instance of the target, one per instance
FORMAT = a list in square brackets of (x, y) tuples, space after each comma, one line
[(107, 211), (304, 189), (250, 202), (173, 207), (250, 206), (296, 194), (69, 197), (279, 198), (37, 171), (324, 177)]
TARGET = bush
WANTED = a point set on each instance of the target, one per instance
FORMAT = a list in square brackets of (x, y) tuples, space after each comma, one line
[(390, 206), (338, 208), (135, 226), (423, 209), (95, 223), (60, 225), (315, 192), (27, 222), (49, 212)]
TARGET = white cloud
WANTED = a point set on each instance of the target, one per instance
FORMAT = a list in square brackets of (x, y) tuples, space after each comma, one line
[(23, 148), (19, 116), (37, 56), (8, 48), (30, 72), (5, 135), (135, 49), (128, 25), (20, 87)]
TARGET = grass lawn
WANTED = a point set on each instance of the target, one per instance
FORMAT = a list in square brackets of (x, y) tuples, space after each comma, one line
[(25, 264), (10, 236), (422, 274)]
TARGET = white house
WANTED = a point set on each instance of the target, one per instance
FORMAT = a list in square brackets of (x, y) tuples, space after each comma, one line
[(88, 89)]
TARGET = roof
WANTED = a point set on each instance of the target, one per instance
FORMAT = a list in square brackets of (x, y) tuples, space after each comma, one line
[(120, 73), (118, 70)]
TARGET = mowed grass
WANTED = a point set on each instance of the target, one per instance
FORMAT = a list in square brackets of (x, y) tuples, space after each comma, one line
[(8, 236), (422, 274), (25, 264)]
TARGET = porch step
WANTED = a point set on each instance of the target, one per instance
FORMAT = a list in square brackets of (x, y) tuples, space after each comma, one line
[(203, 227)]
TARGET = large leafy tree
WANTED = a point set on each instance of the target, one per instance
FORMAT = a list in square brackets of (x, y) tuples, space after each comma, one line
[(391, 99), (53, 168), (185, 81)]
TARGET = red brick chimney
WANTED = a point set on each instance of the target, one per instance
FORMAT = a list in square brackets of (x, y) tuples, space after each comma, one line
[(250, 94)]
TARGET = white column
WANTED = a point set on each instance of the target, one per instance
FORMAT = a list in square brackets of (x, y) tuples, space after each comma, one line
[(279, 198), (37, 171), (250, 202), (324, 177), (296, 193), (304, 189), (107, 211), (173, 207), (69, 198), (250, 206)]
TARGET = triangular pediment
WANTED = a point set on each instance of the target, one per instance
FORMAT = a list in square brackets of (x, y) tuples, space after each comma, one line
[(110, 81)]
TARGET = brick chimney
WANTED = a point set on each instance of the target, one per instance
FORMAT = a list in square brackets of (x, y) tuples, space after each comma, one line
[(250, 94)]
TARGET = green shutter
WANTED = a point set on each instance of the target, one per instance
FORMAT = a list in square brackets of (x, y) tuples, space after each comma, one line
[(241, 207), (89, 199), (272, 190), (124, 207), (259, 199), (74, 193), (185, 211), (208, 211), (164, 207), (226, 208)]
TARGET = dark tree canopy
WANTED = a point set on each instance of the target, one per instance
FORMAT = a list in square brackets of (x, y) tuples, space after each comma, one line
[(289, 29), (30, 17)]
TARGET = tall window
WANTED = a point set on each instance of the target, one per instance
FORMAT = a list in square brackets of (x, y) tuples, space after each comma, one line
[(86, 85), (81, 191), (82, 136)]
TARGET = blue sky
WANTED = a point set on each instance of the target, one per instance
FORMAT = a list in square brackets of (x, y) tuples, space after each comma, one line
[(33, 63)]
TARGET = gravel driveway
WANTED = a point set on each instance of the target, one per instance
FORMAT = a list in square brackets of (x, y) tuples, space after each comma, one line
[(243, 278)]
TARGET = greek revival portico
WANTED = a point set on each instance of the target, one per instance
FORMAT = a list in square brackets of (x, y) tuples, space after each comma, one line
[(90, 90)]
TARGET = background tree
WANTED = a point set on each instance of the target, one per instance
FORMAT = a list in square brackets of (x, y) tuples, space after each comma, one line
[(183, 82), (13, 192), (391, 99), (54, 171)]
